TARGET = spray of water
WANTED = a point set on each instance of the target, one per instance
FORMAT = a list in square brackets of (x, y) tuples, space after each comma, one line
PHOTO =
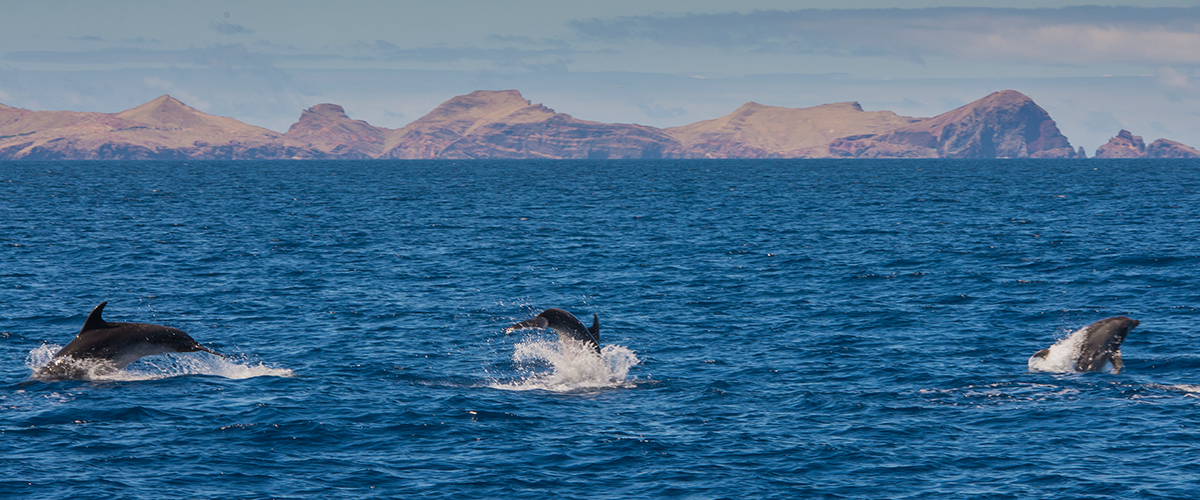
[(574, 367), (153, 367), (1062, 356)]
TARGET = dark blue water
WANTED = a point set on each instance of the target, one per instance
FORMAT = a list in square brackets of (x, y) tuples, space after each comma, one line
[(773, 329)]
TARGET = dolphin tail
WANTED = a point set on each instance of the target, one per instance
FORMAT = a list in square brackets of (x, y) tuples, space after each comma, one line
[(536, 322)]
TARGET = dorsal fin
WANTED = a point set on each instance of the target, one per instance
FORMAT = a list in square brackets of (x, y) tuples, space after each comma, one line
[(94, 321), (595, 329)]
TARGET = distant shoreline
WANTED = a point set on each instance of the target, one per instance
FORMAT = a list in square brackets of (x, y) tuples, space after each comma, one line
[(504, 125)]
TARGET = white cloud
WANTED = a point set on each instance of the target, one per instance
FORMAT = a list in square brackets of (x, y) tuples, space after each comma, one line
[(1169, 79), (226, 28), (1174, 84), (1075, 35)]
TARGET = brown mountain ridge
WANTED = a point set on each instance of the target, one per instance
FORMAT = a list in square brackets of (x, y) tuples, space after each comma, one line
[(503, 124)]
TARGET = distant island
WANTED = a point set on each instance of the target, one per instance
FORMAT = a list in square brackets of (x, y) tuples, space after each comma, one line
[(503, 124)]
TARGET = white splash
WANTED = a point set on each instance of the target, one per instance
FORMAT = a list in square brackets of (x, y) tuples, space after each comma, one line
[(575, 366), (157, 367), (1063, 355)]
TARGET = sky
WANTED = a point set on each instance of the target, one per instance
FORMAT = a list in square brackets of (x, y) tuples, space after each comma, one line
[(1095, 67)]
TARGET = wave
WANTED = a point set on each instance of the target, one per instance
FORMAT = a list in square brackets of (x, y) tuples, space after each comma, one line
[(155, 367), (574, 367), (1189, 389)]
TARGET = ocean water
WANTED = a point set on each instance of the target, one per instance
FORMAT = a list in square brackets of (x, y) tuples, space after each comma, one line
[(771, 329)]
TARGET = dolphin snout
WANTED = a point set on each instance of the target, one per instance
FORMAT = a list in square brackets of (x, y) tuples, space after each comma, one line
[(210, 351)]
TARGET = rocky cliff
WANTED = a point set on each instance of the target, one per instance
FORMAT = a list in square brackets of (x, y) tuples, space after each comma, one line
[(1127, 145), (758, 131), (1005, 124), (503, 124)]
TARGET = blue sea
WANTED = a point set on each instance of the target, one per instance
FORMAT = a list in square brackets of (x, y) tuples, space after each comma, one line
[(771, 329)]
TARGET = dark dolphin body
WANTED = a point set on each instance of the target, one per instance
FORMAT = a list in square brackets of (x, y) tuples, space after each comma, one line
[(1101, 343), (105, 347), (567, 326)]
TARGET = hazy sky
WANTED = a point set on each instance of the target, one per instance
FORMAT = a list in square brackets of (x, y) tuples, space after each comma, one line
[(1096, 68)]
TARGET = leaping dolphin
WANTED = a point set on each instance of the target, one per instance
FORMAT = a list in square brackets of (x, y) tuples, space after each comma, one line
[(1096, 344), (110, 346), (567, 326)]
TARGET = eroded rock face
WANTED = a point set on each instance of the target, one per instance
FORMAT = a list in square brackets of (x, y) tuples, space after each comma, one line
[(503, 124), (1005, 124), (325, 131), (1124, 145)]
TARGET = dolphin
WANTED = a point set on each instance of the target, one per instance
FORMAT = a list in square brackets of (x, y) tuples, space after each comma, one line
[(1096, 344), (108, 346), (567, 326)]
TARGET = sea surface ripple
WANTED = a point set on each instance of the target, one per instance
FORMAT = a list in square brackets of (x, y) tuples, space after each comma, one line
[(771, 328)]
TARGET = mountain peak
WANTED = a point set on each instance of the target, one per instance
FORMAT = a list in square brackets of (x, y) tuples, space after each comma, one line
[(1007, 95), (327, 109), (462, 114), (167, 112), (1004, 124), (325, 129), (482, 103)]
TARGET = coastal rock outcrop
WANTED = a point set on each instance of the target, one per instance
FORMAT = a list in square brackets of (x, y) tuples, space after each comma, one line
[(759, 131), (503, 124), (1127, 145), (1124, 145), (1006, 124)]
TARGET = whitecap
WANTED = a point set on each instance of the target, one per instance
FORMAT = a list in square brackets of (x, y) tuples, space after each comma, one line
[(1192, 390)]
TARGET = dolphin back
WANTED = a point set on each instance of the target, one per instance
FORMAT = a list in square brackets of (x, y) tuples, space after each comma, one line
[(1102, 343), (115, 345), (535, 322), (566, 324)]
